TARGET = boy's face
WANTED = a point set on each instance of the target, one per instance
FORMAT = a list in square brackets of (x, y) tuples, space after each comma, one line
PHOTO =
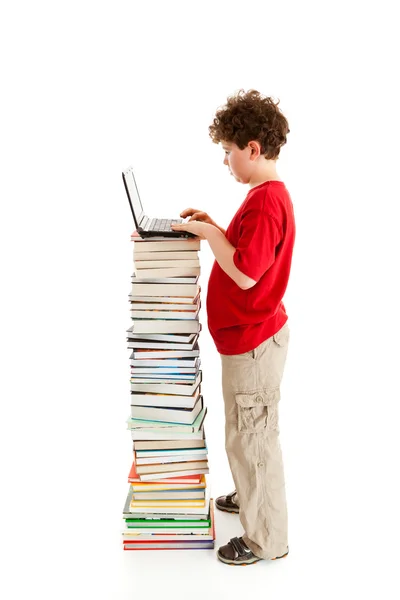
[(239, 162)]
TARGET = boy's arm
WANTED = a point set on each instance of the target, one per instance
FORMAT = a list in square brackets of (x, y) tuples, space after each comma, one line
[(259, 237), (221, 248), (223, 252)]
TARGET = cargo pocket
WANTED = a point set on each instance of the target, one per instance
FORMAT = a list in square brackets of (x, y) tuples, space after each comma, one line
[(257, 411)]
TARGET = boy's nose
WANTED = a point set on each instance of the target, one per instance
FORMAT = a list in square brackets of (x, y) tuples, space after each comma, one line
[(225, 161)]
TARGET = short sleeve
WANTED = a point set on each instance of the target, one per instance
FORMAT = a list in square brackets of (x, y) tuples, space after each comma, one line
[(258, 238)]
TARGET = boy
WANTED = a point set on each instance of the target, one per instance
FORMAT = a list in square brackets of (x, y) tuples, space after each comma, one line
[(248, 322)]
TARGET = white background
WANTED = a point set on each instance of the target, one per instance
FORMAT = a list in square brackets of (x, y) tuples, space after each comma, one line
[(89, 88)]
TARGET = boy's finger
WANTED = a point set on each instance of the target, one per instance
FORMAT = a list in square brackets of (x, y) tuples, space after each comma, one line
[(187, 212), (195, 216)]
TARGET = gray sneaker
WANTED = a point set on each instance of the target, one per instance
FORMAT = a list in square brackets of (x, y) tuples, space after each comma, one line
[(227, 504)]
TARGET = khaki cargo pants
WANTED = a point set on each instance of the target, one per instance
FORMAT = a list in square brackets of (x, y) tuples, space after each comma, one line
[(250, 386)]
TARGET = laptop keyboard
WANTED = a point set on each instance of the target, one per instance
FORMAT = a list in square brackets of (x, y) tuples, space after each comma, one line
[(161, 224)]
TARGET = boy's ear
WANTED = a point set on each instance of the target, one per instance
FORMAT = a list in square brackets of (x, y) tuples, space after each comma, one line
[(255, 148)]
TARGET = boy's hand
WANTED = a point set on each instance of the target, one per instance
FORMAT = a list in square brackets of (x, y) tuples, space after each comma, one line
[(197, 227), (198, 215)]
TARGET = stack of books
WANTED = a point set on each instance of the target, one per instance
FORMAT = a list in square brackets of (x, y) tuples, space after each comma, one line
[(168, 505)]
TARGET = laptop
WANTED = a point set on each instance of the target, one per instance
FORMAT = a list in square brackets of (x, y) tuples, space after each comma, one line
[(145, 226)]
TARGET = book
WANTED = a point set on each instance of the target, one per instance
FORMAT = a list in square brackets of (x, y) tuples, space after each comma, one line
[(196, 479), (172, 473), (185, 389), (169, 460), (170, 452), (191, 299), (149, 504), (166, 414), (164, 289), (163, 326), (198, 511), (165, 314), (145, 245), (172, 445), (153, 353), (160, 468), (194, 545), (155, 430), (179, 535), (195, 482), (163, 378), (165, 400), (159, 370), (167, 256), (165, 306), (170, 495), (164, 434), (169, 528), (186, 338), (161, 426), (166, 273), (163, 485), (166, 264), (193, 279), (165, 362), (150, 345)]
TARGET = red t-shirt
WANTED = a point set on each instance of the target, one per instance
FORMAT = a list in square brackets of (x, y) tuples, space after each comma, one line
[(263, 233)]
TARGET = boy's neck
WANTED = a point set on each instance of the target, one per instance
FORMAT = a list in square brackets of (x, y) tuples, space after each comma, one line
[(266, 172)]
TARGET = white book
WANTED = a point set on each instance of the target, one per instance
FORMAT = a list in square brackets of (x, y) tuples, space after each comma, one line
[(165, 314), (167, 388), (170, 279), (164, 306), (188, 378), (166, 256), (165, 414), (164, 434), (171, 474), (170, 428), (165, 362), (163, 245), (166, 273), (170, 446), (165, 264), (164, 354), (161, 468), (156, 370), (192, 299), (134, 344), (165, 399), (169, 452), (165, 289), (164, 326), (175, 511), (162, 337), (169, 459)]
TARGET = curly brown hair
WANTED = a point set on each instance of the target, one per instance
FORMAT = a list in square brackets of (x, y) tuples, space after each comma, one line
[(250, 116)]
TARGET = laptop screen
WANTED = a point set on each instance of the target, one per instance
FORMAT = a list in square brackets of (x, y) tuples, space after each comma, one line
[(133, 195)]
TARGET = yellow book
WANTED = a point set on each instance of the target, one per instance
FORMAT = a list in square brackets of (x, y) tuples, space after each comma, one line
[(167, 503)]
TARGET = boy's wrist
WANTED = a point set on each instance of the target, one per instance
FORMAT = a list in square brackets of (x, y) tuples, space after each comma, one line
[(209, 229)]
